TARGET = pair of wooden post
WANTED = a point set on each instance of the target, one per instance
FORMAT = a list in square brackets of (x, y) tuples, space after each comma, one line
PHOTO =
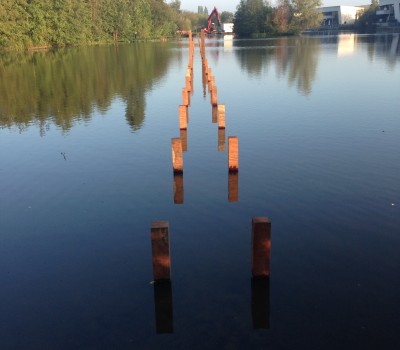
[(261, 249)]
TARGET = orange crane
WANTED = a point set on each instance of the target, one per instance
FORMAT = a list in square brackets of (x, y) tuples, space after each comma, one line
[(212, 27)]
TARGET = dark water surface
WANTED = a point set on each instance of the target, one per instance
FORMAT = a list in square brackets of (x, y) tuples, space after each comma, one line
[(85, 167)]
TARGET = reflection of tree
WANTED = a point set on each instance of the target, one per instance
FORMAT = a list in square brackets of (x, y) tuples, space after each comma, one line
[(296, 57), (254, 56), (67, 85), (304, 61)]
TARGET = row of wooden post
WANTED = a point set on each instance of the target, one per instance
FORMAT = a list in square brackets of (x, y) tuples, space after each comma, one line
[(179, 145), (260, 270)]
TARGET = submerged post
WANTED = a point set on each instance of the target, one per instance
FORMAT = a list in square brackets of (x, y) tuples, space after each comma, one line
[(177, 158), (160, 251), (233, 153), (261, 246)]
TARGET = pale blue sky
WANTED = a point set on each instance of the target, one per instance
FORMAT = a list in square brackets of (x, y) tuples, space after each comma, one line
[(230, 5)]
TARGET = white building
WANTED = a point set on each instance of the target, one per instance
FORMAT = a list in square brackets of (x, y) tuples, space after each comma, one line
[(227, 27), (389, 11), (339, 15)]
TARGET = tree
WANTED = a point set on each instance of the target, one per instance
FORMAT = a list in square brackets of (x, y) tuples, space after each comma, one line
[(366, 20), (306, 15), (253, 16), (226, 17), (282, 16), (176, 5)]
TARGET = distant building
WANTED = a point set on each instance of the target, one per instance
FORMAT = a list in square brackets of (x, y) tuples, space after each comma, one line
[(227, 27), (389, 11), (340, 15)]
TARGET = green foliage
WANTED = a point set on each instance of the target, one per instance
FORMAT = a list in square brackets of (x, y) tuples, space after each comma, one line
[(226, 17), (305, 15), (27, 23), (253, 16), (367, 19)]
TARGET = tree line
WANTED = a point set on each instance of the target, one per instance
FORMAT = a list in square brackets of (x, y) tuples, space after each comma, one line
[(32, 23), (55, 23), (288, 17)]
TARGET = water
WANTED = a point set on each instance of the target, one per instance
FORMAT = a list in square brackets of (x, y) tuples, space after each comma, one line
[(85, 167)]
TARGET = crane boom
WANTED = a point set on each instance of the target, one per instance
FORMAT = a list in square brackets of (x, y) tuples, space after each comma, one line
[(210, 27)]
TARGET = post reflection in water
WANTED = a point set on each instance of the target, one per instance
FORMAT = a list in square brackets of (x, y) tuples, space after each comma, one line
[(261, 248), (178, 189), (163, 307), (221, 140), (260, 303), (233, 186), (214, 114), (183, 137)]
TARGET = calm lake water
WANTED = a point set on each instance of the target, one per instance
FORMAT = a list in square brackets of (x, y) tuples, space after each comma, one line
[(85, 168)]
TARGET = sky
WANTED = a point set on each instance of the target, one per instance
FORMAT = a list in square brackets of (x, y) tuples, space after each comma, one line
[(230, 5)]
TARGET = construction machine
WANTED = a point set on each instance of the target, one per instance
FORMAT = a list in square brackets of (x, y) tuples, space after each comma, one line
[(213, 27)]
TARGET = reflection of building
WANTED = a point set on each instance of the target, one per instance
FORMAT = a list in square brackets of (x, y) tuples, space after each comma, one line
[(338, 15), (389, 11), (346, 44)]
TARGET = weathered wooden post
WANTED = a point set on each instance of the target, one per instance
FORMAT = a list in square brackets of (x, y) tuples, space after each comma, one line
[(261, 246), (233, 187), (177, 158), (160, 251), (183, 117), (178, 189), (221, 140), (233, 153), (221, 116)]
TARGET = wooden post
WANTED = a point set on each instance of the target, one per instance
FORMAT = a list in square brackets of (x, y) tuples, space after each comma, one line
[(183, 117), (221, 116), (261, 246), (177, 159), (160, 251), (178, 189), (233, 153), (233, 187), (260, 303), (221, 140)]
